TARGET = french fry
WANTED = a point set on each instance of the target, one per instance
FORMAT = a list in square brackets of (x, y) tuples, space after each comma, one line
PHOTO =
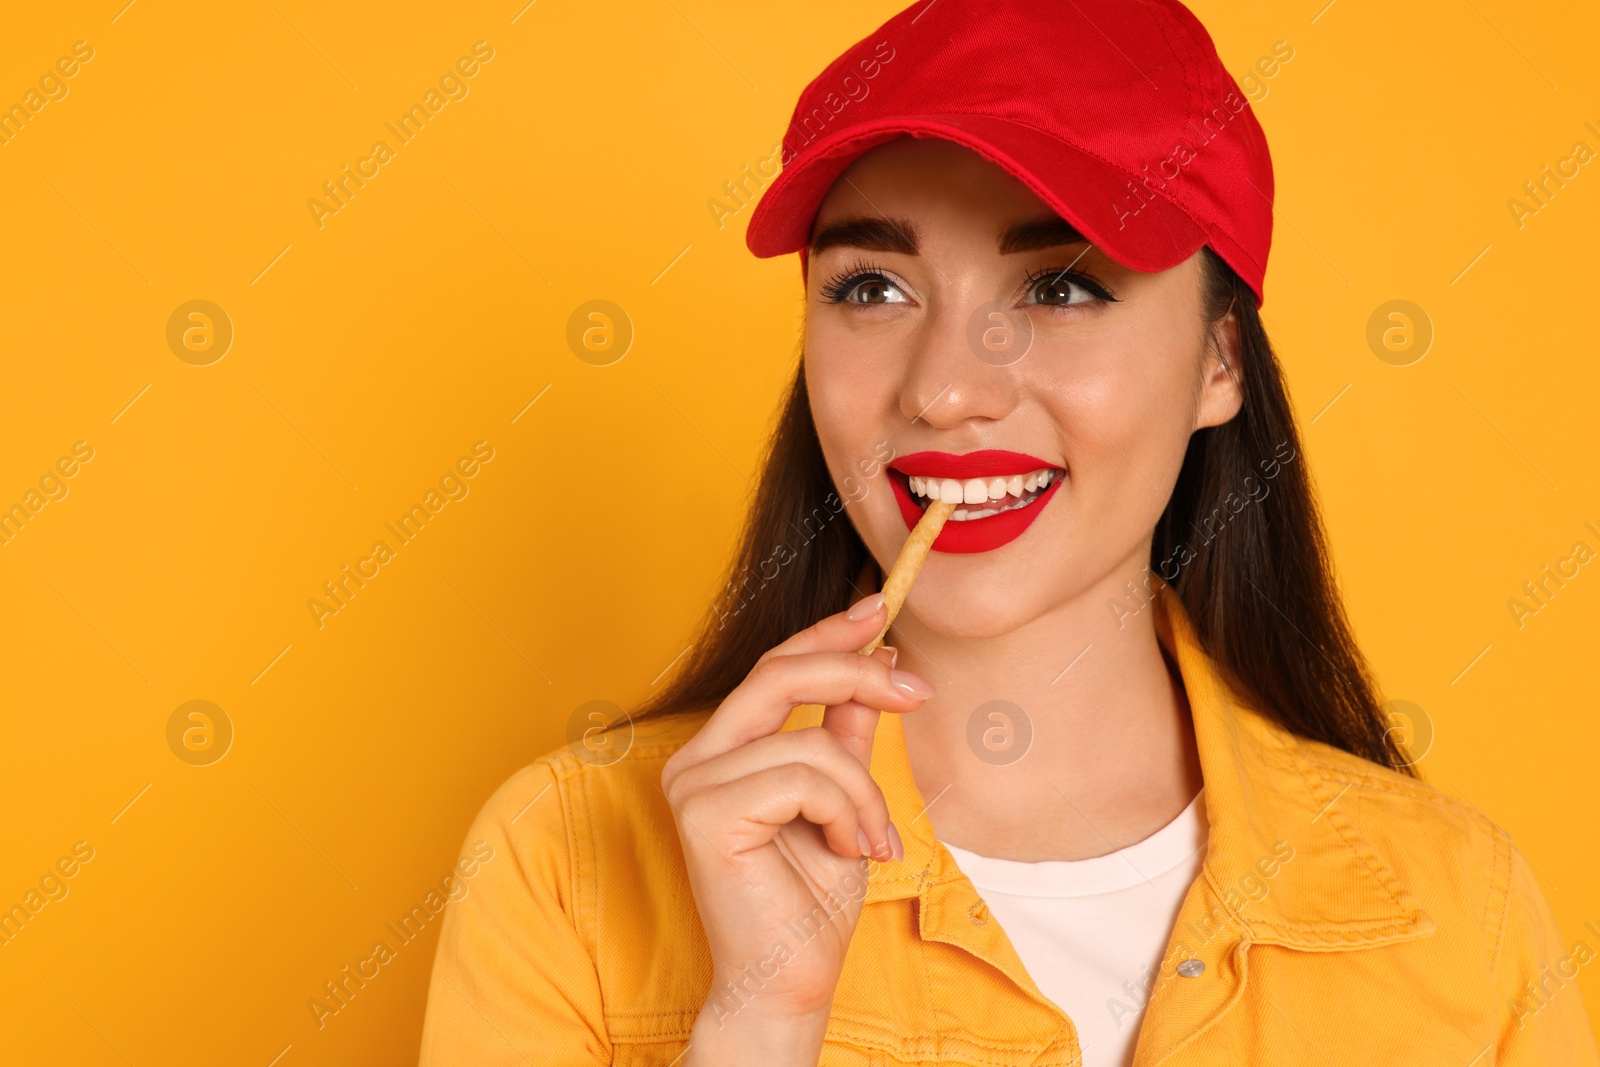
[(913, 554)]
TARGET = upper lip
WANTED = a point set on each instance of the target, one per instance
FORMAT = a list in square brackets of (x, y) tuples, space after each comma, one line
[(985, 463)]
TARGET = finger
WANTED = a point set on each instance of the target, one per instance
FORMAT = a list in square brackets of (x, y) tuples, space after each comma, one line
[(748, 812), (814, 747), (761, 704), (836, 633), (853, 723)]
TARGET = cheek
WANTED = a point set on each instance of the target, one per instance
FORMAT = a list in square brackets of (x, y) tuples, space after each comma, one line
[(851, 382), (1135, 398), (1125, 413), (831, 405), (854, 405)]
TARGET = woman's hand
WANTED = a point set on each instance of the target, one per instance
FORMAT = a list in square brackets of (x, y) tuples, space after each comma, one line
[(775, 828)]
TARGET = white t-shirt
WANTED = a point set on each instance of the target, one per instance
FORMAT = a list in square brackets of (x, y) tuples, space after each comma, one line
[(1092, 932)]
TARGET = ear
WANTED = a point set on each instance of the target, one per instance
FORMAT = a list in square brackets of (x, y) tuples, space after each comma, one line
[(1221, 377)]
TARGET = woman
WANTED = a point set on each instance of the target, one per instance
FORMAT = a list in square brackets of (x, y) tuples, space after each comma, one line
[(1133, 799)]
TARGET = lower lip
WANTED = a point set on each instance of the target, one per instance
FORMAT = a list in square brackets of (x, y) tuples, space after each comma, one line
[(974, 535)]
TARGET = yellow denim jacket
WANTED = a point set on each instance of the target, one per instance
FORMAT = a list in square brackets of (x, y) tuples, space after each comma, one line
[(1345, 914)]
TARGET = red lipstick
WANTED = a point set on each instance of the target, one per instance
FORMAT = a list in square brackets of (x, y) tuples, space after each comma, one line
[(972, 535)]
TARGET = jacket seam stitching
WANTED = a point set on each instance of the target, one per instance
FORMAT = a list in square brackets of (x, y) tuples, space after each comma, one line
[(1339, 933), (576, 796), (1302, 763), (561, 774), (896, 1043), (1242, 951), (941, 1033), (1413, 791), (1352, 838), (562, 771), (1500, 887), (639, 753)]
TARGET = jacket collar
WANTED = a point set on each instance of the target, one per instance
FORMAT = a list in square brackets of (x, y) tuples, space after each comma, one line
[(1265, 800)]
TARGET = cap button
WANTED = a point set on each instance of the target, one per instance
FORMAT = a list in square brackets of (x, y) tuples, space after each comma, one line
[(1192, 968)]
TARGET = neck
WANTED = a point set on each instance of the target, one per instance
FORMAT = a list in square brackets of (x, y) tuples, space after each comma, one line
[(1111, 757)]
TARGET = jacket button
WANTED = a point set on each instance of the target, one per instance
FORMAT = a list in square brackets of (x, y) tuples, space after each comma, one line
[(1192, 968)]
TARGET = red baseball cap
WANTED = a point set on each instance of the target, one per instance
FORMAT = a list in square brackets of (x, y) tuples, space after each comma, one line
[(1117, 113)]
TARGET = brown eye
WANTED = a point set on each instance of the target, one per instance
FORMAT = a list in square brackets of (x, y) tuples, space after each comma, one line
[(1059, 290), (875, 291), (864, 289), (1060, 287)]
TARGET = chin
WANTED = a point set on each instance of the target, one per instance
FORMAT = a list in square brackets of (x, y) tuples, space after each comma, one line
[(973, 609)]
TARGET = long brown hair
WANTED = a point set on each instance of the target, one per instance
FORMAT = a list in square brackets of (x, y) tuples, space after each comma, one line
[(1256, 579)]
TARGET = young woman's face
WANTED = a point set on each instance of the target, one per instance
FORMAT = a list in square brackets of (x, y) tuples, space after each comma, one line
[(949, 310)]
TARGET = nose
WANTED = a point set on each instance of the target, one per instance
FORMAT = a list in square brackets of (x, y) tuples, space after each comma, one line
[(945, 383)]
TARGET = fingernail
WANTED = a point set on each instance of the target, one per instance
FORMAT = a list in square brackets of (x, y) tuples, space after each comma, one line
[(866, 847), (911, 684), (895, 842), (866, 608), (894, 654)]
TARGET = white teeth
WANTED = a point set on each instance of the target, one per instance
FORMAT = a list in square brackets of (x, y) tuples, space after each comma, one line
[(980, 490)]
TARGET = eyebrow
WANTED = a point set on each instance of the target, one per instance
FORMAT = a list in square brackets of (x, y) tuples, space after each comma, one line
[(872, 233), (884, 234), (1034, 234)]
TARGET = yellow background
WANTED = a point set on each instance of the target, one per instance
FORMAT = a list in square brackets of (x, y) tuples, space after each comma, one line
[(427, 314)]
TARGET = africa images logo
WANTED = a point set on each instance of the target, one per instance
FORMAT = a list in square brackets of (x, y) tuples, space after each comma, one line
[(1212, 125)]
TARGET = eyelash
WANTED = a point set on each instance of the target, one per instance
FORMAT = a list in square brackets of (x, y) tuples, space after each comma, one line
[(837, 288), (1089, 284)]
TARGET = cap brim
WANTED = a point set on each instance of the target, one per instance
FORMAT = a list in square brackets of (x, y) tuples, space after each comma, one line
[(1134, 226)]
